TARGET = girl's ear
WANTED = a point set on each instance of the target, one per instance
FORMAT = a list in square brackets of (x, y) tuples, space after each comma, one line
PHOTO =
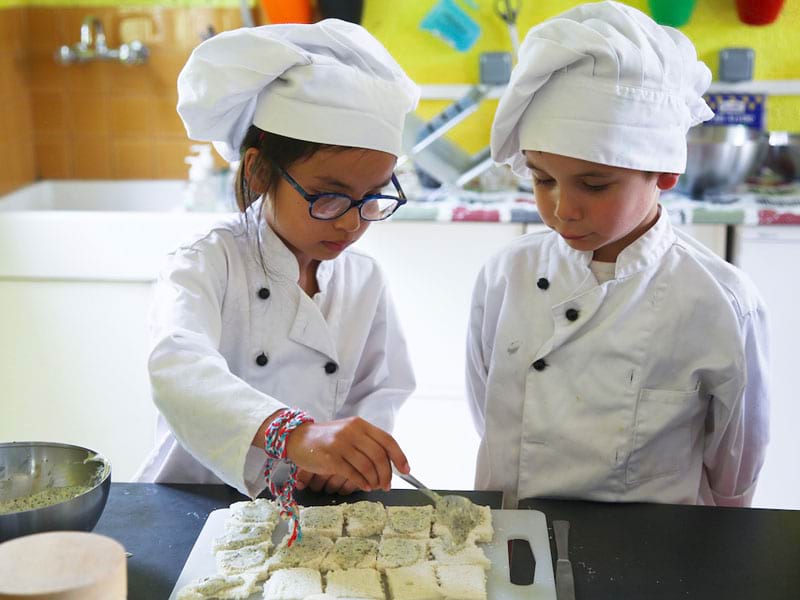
[(254, 179), (667, 181)]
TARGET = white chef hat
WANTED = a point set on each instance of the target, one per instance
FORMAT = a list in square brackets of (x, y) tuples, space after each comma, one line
[(330, 82), (604, 83)]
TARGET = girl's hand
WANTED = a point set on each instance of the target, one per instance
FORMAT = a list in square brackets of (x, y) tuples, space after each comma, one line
[(350, 448), (330, 485)]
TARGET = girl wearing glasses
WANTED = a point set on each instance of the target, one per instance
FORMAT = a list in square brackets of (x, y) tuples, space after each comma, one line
[(270, 332)]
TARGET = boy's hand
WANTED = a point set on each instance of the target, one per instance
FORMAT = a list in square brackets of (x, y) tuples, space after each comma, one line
[(349, 448)]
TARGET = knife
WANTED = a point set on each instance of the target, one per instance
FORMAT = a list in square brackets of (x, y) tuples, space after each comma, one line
[(565, 582)]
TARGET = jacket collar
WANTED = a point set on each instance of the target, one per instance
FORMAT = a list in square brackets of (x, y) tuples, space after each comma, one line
[(638, 256), (277, 256), (309, 326), (649, 249)]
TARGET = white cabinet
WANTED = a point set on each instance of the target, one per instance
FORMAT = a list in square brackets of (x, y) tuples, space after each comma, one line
[(73, 366), (431, 268), (770, 256)]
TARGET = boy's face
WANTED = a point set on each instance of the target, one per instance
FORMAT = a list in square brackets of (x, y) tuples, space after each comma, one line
[(595, 207)]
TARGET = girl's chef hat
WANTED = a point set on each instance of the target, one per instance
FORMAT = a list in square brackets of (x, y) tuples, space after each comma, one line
[(331, 82), (603, 83)]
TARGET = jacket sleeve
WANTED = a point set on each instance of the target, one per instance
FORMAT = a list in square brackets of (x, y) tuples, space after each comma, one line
[(213, 413), (476, 367), (384, 377), (739, 421)]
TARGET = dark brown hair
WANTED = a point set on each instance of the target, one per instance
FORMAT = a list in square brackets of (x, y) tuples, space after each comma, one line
[(271, 147)]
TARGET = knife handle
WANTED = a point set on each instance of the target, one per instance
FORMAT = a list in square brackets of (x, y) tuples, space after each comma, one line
[(561, 529)]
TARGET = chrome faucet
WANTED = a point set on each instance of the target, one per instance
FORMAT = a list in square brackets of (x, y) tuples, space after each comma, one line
[(94, 47), (100, 46)]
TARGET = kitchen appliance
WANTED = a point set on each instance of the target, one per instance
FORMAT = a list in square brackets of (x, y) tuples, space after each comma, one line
[(720, 157), (508, 524), (27, 468)]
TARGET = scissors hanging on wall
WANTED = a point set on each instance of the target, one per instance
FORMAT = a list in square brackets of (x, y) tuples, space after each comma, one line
[(508, 11)]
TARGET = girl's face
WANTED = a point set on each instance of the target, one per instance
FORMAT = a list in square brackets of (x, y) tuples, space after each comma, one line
[(353, 172), (595, 207)]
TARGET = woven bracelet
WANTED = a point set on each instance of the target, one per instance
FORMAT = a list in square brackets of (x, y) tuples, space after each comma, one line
[(275, 447)]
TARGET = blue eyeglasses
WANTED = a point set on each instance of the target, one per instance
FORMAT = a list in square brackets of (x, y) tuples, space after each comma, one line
[(329, 206)]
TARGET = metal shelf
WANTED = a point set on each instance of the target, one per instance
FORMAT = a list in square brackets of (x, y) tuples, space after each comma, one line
[(776, 87)]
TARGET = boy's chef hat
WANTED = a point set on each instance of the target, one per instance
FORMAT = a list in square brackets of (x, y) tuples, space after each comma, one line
[(603, 83), (331, 82)]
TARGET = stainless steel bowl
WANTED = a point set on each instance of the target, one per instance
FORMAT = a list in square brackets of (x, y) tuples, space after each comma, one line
[(783, 156), (720, 157), (30, 467)]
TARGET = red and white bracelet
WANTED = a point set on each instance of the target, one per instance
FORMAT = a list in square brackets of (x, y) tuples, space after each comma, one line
[(275, 447)]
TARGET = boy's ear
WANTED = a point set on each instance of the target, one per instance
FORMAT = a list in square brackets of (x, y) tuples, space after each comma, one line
[(254, 178), (667, 181)]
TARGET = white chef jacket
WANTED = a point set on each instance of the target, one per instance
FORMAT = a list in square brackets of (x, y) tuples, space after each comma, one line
[(649, 387), (218, 315)]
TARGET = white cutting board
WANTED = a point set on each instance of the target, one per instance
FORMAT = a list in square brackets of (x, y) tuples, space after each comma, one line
[(508, 524)]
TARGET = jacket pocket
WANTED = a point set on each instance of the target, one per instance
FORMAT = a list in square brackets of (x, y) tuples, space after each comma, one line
[(662, 434)]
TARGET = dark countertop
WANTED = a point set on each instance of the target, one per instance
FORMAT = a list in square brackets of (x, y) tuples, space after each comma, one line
[(158, 524), (618, 551), (655, 551)]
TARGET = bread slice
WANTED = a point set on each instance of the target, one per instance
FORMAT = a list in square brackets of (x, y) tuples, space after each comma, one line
[(307, 552), (409, 521), (244, 534), (261, 511), (364, 518), (417, 582), (252, 559), (293, 584), (482, 532), (325, 520), (355, 583), (351, 553), (220, 587), (462, 582), (401, 552), (468, 554)]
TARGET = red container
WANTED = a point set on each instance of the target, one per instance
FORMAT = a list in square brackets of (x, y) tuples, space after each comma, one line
[(287, 11), (759, 12)]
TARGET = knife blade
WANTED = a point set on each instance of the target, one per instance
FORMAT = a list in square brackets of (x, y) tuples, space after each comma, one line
[(565, 581)]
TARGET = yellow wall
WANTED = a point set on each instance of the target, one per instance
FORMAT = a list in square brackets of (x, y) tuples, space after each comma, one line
[(714, 25)]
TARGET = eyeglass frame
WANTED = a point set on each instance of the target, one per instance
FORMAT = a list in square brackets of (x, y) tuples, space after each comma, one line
[(312, 198)]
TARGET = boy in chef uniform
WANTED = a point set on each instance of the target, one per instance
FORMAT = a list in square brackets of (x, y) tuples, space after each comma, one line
[(613, 358), (272, 310)]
